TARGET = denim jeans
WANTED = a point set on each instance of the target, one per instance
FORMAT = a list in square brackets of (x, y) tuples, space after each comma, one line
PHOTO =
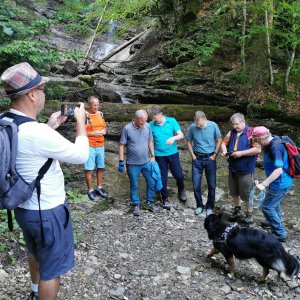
[(272, 210), (210, 167), (171, 162), (134, 172)]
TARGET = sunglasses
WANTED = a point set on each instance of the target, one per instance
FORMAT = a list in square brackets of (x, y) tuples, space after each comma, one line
[(44, 89)]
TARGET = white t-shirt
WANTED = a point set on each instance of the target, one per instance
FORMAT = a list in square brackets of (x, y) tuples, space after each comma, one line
[(36, 143)]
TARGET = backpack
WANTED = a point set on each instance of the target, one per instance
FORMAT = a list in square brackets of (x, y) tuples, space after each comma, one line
[(293, 154), (14, 190)]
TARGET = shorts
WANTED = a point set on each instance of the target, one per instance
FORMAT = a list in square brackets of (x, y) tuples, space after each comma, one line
[(96, 157), (240, 184), (58, 255)]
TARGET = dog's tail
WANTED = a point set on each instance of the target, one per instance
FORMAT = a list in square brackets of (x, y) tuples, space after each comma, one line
[(291, 264)]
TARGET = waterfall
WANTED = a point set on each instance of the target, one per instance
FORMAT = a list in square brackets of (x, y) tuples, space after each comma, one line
[(124, 99)]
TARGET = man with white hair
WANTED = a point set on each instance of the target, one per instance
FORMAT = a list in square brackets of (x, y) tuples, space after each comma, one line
[(138, 140), (45, 220), (278, 181), (241, 151)]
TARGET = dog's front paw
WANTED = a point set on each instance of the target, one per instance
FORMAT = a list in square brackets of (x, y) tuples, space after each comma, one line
[(212, 252), (209, 255)]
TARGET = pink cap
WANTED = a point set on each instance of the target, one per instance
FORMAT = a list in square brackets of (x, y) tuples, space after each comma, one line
[(260, 131)]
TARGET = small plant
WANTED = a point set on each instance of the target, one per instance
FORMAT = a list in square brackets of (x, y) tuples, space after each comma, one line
[(75, 196), (102, 206)]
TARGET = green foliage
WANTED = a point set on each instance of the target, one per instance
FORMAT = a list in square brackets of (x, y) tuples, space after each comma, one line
[(202, 38), (128, 14), (7, 237), (271, 106), (20, 33), (75, 195), (72, 15), (56, 91), (42, 118)]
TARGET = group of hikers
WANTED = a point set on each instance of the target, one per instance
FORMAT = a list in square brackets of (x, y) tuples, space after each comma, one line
[(156, 142), (151, 149)]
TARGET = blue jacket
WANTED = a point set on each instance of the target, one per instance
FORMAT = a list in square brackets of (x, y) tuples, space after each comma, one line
[(155, 173), (244, 164)]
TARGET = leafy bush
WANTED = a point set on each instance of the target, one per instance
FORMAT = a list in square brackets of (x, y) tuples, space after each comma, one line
[(19, 35)]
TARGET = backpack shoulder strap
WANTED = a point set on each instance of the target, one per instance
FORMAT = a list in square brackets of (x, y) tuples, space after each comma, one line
[(17, 119)]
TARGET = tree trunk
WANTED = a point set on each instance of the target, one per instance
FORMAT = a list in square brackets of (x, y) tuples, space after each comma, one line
[(288, 70), (232, 8), (244, 37), (269, 47), (96, 30), (121, 47)]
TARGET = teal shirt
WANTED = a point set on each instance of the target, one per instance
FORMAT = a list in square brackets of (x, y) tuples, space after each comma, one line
[(160, 135), (204, 139)]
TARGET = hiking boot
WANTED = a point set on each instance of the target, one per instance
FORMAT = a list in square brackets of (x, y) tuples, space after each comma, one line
[(92, 195), (265, 224), (167, 204), (33, 296), (209, 212), (281, 239), (151, 207), (200, 211), (236, 214), (101, 192), (248, 219), (136, 210), (182, 196)]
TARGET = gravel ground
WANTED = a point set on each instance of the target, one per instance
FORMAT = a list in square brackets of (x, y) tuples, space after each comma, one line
[(154, 256)]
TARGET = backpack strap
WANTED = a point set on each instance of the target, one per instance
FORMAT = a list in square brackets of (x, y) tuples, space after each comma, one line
[(43, 170)]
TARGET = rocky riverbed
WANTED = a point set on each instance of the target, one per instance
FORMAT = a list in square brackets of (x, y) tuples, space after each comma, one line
[(155, 256)]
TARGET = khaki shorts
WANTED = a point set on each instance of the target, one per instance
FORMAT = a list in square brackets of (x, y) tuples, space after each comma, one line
[(240, 185)]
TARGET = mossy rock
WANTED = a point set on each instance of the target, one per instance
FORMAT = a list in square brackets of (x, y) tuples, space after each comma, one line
[(117, 112), (89, 79)]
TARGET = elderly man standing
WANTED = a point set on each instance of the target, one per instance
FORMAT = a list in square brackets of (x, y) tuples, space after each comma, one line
[(45, 220), (278, 180), (166, 131), (95, 129), (204, 142), (137, 138), (241, 151)]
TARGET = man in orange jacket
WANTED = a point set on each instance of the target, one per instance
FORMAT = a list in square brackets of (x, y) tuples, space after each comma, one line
[(95, 129)]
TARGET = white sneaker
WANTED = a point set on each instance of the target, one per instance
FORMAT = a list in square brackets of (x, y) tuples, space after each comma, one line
[(201, 211), (209, 212)]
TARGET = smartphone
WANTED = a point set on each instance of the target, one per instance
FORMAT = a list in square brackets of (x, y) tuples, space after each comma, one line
[(67, 109), (228, 153)]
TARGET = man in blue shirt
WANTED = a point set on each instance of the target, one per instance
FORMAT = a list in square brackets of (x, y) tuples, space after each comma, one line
[(204, 142), (166, 131), (278, 180)]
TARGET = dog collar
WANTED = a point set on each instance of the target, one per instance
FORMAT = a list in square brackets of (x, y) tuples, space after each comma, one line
[(225, 234)]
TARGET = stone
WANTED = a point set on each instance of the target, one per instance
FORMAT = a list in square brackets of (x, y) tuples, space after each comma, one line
[(226, 289), (117, 293)]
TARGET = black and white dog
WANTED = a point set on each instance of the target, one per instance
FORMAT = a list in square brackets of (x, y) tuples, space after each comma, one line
[(233, 241)]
